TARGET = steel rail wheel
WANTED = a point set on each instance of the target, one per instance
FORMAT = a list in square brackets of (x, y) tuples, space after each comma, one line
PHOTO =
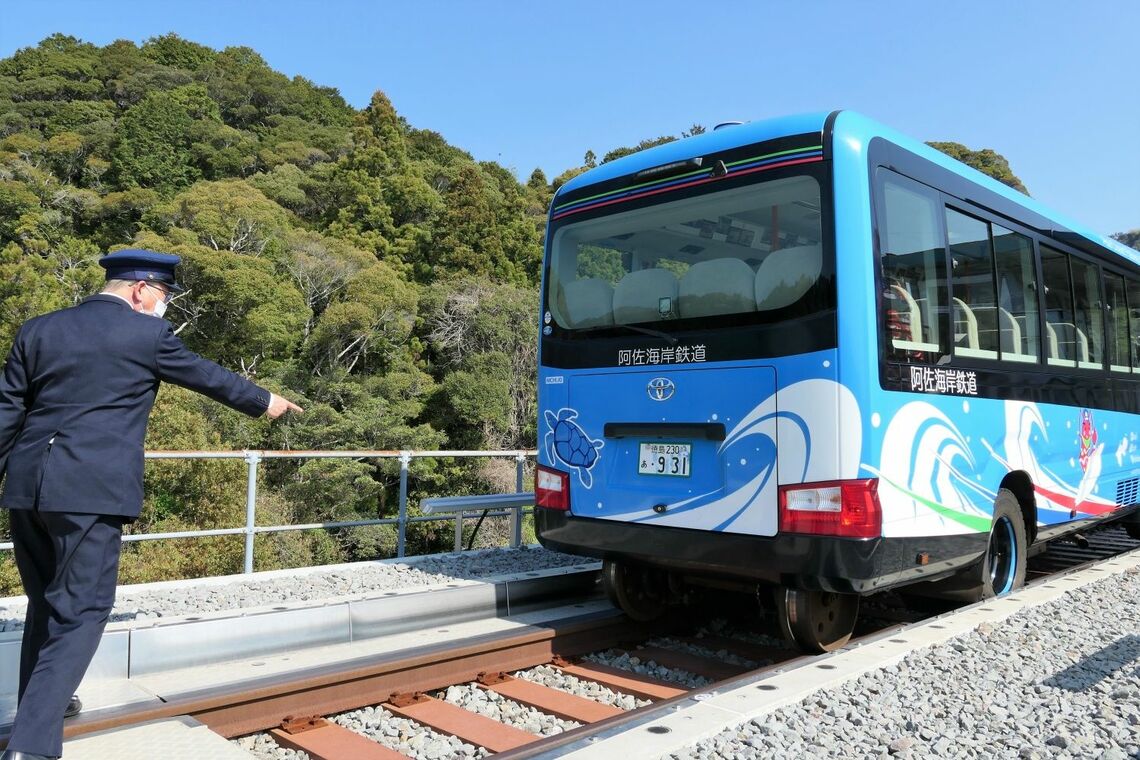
[(817, 621), (639, 592)]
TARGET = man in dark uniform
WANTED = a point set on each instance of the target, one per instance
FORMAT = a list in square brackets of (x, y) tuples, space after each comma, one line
[(75, 396)]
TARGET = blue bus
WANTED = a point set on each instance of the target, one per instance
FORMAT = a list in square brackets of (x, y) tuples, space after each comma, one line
[(813, 355)]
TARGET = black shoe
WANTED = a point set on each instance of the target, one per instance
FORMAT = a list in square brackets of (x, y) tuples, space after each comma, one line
[(15, 754), (73, 708)]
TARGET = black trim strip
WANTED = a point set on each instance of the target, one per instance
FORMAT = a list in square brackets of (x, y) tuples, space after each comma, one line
[(843, 565), (709, 431)]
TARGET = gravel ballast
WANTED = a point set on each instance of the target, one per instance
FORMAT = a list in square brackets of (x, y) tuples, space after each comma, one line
[(1060, 680), (314, 585)]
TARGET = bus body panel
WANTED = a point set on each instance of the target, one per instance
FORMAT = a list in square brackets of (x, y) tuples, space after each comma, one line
[(940, 451), (732, 485)]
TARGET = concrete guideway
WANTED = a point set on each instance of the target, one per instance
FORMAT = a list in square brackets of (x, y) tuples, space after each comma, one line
[(170, 739), (707, 713), (135, 660), (196, 690)]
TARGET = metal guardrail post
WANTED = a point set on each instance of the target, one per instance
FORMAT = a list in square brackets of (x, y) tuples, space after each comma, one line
[(516, 515), (251, 458), (402, 517), (459, 531)]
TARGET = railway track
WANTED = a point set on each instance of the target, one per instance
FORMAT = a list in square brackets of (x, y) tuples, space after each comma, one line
[(415, 685)]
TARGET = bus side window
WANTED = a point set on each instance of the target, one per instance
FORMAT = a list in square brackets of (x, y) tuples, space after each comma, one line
[(913, 268), (1134, 323), (1065, 343), (1118, 350), (975, 321), (1017, 302), (1088, 314)]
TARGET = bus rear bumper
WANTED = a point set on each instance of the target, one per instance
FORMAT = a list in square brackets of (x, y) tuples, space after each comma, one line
[(842, 565)]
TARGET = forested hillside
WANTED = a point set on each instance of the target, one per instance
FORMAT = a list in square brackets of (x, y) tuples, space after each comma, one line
[(368, 269), (365, 267)]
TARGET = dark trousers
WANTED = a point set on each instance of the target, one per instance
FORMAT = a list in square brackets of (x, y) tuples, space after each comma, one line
[(69, 564)]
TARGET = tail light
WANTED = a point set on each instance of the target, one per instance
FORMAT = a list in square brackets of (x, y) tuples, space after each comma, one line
[(847, 508), (551, 488)]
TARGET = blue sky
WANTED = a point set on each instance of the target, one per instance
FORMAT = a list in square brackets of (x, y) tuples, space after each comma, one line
[(1051, 85)]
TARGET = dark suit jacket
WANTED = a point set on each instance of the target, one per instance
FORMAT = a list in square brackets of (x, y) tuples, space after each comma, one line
[(75, 395)]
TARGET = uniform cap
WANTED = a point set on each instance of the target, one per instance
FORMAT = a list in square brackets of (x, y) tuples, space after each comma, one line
[(138, 264)]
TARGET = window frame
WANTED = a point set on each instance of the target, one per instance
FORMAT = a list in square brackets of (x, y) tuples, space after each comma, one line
[(1037, 381), (947, 356)]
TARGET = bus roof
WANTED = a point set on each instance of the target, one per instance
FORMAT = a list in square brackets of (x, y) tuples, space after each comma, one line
[(849, 125), (712, 141)]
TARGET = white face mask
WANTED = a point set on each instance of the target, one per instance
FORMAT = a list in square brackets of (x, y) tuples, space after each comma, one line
[(159, 305)]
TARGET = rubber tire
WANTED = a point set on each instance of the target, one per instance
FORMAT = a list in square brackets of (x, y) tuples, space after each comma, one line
[(1007, 517), (636, 591)]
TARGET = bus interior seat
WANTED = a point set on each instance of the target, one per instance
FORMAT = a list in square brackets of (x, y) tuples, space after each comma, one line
[(588, 303), (786, 274), (717, 286), (637, 297), (1009, 334), (965, 324), (913, 312), (1067, 342)]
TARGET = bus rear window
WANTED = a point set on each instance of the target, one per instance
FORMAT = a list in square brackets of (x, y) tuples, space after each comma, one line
[(753, 252)]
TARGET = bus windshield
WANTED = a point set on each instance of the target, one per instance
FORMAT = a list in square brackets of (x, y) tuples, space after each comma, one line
[(740, 255)]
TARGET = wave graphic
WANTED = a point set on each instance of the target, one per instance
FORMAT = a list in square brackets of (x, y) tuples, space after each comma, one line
[(1023, 421), (806, 439), (927, 475)]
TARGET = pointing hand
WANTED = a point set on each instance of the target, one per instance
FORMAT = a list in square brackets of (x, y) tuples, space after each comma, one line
[(278, 405)]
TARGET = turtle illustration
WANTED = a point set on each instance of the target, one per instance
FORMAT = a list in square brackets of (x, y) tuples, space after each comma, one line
[(567, 442)]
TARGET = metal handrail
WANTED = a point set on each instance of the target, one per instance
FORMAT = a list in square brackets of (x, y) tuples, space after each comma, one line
[(253, 458)]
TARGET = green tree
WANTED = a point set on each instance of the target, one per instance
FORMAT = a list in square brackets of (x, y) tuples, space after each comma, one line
[(1130, 239), (238, 310), (485, 334), (325, 251), (368, 329), (153, 149), (228, 215), (617, 153), (987, 161), (172, 50)]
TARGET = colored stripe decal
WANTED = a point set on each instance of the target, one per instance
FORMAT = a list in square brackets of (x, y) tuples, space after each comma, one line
[(736, 167), (1084, 507), (695, 172), (973, 522), (683, 184)]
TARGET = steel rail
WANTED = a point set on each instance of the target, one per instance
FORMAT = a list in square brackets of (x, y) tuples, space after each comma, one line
[(261, 704)]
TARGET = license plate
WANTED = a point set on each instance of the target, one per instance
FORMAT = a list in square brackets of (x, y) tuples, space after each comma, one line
[(664, 459)]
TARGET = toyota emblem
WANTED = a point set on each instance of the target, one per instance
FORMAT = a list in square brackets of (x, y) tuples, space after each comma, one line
[(661, 389)]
